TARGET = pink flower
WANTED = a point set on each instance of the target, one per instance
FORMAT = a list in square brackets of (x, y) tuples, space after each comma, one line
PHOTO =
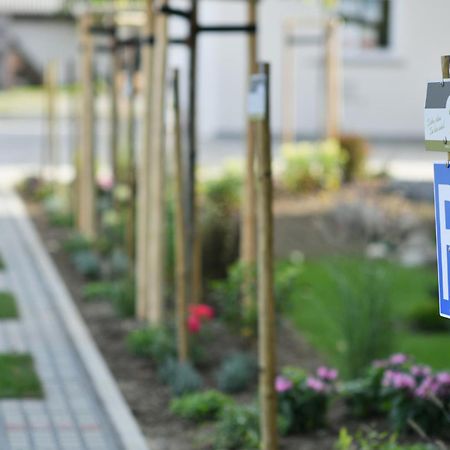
[(327, 374), (420, 371), (399, 380), (427, 388), (398, 359), (283, 384), (202, 311), (443, 378), (315, 384), (105, 183), (194, 324)]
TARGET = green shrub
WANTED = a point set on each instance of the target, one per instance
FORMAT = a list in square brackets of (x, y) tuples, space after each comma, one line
[(357, 150), (374, 440), (365, 319), (77, 243), (61, 219), (157, 343), (181, 377), (237, 373), (303, 400), (123, 298), (87, 263), (98, 290), (201, 406), (311, 166), (238, 429), (119, 263), (426, 318)]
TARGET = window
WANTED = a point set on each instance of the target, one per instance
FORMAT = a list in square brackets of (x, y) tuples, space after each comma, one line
[(367, 24)]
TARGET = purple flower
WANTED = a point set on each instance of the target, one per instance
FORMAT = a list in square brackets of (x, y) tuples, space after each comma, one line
[(399, 380), (420, 371), (398, 359), (443, 378), (283, 384), (315, 384), (427, 388), (327, 374)]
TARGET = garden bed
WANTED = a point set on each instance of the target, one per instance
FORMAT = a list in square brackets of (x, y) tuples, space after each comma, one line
[(301, 223)]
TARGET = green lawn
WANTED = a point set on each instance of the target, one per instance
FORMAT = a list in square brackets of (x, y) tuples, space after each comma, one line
[(314, 307), (18, 378), (8, 307)]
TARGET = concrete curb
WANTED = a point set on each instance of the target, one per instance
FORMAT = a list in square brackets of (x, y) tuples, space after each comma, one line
[(115, 406)]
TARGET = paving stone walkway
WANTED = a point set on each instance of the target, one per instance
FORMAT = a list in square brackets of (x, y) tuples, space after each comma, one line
[(71, 416)]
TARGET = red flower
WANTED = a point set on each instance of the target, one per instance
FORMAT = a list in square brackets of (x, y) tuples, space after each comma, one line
[(202, 311), (194, 324)]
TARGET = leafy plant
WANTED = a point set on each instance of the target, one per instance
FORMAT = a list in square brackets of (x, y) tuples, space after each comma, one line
[(157, 343), (373, 440), (87, 263), (364, 319), (123, 298), (76, 243), (181, 377), (237, 373), (201, 406), (303, 400), (8, 307), (238, 429), (310, 166), (99, 290)]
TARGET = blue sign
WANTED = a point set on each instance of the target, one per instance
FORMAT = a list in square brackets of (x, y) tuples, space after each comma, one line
[(442, 208)]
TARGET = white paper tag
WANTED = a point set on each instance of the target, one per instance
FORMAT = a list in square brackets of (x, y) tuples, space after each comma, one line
[(257, 97)]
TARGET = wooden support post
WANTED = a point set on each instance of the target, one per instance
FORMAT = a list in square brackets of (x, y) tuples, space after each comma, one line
[(51, 81), (288, 86), (86, 208), (445, 65), (333, 80), (180, 233), (248, 219), (266, 304), (143, 185), (194, 239), (115, 70), (131, 162), (155, 287)]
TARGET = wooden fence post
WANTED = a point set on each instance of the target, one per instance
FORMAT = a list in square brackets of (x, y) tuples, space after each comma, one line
[(260, 88), (248, 219), (333, 81), (86, 209), (194, 261), (143, 185), (114, 152), (180, 232), (155, 287), (51, 75)]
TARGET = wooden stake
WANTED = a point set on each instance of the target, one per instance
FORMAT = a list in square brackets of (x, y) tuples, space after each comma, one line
[(156, 244), (194, 240), (115, 63), (143, 186), (445, 65), (51, 75), (180, 233), (131, 167), (288, 87), (266, 304), (333, 82), (86, 212), (248, 220)]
